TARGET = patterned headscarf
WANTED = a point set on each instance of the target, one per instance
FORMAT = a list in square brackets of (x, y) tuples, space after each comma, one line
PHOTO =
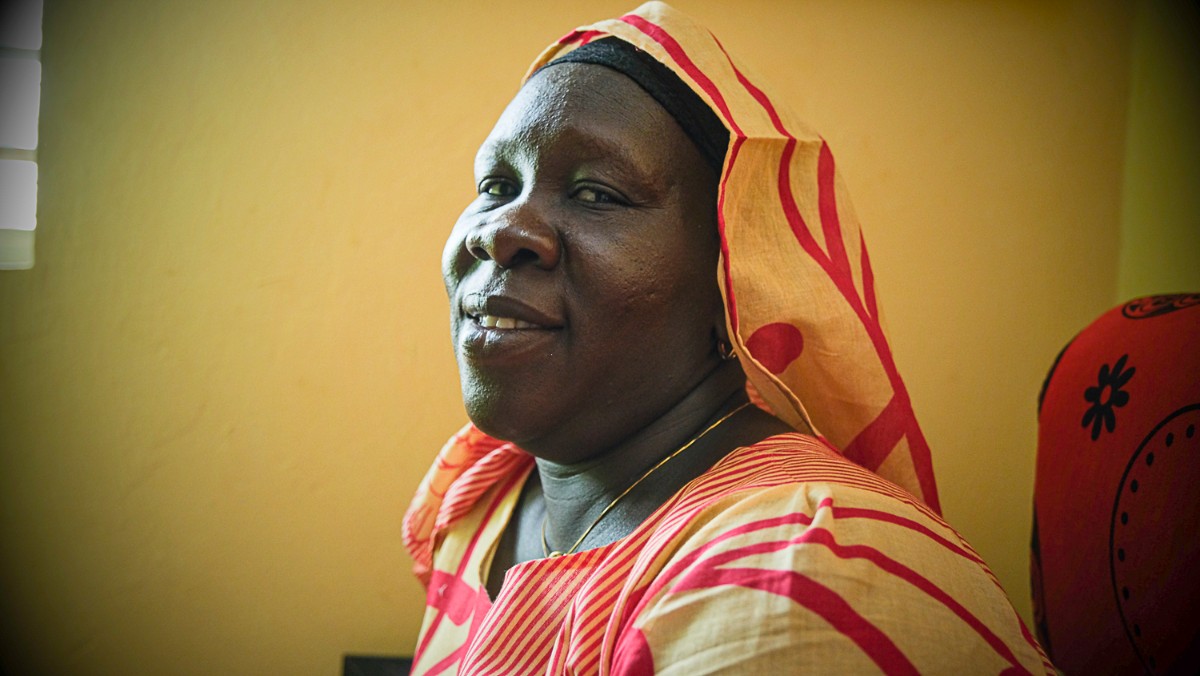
[(697, 120), (799, 293)]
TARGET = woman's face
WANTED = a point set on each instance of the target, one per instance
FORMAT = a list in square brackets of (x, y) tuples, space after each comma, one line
[(582, 278)]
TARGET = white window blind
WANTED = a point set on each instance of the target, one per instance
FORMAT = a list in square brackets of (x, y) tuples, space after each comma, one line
[(20, 102)]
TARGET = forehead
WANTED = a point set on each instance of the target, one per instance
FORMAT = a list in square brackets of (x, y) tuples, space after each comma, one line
[(588, 103)]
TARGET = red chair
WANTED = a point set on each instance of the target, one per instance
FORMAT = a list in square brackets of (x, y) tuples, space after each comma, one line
[(1115, 558)]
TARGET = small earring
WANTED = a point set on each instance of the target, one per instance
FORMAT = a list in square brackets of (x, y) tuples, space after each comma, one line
[(725, 351)]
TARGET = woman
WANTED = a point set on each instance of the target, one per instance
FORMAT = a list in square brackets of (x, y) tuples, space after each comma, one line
[(618, 503)]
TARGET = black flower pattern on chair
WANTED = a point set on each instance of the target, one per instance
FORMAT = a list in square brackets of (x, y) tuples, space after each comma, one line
[(1107, 396), (1153, 306)]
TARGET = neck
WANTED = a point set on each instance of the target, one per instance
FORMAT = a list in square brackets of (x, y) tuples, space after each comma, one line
[(574, 495)]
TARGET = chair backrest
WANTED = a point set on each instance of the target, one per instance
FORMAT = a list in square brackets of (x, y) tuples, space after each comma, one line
[(1115, 558)]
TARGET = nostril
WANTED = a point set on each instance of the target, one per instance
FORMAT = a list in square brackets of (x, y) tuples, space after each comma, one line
[(479, 252), (523, 256)]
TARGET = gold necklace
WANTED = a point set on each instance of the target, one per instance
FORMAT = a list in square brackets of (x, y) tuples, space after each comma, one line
[(546, 547)]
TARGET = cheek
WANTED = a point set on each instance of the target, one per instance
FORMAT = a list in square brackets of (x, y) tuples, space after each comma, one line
[(660, 283), (456, 260)]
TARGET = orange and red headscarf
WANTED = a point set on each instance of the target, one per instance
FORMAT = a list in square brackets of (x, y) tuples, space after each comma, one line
[(796, 279)]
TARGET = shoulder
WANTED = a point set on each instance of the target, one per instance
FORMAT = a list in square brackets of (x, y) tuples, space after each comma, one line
[(793, 555), (786, 472), (469, 465), (793, 489)]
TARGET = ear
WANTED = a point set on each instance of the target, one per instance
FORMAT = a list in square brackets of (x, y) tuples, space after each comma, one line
[(719, 322), (720, 332), (719, 337)]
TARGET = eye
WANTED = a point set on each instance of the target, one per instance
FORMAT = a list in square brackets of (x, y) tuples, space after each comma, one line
[(594, 195), (497, 187)]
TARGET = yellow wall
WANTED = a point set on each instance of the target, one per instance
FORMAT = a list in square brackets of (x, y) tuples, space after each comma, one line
[(1160, 215), (230, 366)]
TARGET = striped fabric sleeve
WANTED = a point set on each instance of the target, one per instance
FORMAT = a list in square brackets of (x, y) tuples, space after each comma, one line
[(824, 578), (467, 465)]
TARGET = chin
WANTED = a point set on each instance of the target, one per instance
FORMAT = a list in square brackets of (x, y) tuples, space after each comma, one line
[(498, 414)]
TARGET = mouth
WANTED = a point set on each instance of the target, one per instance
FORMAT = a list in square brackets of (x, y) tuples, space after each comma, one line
[(504, 313), (502, 323)]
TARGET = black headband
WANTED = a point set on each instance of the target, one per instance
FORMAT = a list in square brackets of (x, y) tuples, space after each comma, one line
[(698, 121)]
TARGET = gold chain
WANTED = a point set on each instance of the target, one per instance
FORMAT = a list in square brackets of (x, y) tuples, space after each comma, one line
[(681, 449)]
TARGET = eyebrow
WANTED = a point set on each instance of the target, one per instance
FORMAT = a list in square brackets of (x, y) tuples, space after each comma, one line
[(612, 154)]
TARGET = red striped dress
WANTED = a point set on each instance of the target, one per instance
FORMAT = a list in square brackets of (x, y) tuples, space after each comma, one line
[(782, 558)]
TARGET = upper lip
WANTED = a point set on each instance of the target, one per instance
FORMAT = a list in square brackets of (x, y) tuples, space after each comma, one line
[(476, 304)]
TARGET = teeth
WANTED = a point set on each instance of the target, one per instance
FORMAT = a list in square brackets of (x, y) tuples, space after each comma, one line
[(493, 322)]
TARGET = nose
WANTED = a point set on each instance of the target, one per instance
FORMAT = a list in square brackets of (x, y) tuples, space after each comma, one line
[(517, 236)]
